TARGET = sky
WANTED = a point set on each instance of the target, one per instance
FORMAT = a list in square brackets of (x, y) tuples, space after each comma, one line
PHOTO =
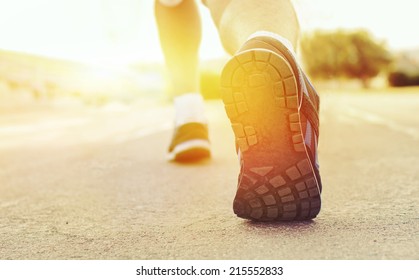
[(123, 31)]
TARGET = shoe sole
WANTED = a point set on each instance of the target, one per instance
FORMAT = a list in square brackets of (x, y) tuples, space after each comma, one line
[(277, 181), (190, 151)]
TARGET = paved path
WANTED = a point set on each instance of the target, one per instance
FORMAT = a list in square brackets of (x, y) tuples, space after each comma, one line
[(94, 184)]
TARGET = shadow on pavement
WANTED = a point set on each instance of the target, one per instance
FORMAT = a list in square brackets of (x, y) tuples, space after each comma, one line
[(297, 225)]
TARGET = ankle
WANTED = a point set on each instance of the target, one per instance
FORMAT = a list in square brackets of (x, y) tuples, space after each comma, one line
[(189, 108)]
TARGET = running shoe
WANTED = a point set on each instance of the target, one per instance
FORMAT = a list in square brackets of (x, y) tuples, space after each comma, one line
[(274, 113), (190, 143)]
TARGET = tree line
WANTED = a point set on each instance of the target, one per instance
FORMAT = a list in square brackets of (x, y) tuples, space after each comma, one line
[(353, 55)]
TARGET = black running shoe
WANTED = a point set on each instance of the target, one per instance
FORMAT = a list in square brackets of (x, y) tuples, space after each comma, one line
[(274, 113)]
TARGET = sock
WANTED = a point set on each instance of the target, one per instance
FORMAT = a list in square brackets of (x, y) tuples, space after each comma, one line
[(189, 108)]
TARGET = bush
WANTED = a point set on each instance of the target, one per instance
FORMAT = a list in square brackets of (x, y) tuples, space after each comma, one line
[(402, 79), (405, 69)]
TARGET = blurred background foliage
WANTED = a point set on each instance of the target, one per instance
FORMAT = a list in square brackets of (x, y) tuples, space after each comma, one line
[(347, 54), (405, 69), (356, 54)]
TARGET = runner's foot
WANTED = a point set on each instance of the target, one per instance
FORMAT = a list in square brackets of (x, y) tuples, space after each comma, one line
[(190, 143), (273, 110)]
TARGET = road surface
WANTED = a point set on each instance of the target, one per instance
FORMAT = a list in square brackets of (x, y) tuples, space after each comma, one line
[(93, 183)]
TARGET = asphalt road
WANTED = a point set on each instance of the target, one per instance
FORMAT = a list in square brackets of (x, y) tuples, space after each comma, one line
[(93, 183)]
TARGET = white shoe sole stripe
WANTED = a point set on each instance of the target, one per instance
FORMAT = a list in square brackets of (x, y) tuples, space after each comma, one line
[(188, 145)]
